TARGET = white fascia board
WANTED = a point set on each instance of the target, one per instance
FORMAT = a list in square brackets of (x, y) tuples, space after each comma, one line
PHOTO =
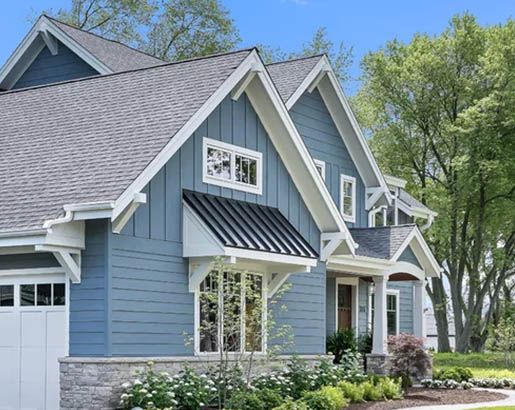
[(358, 265), (31, 46), (395, 181), (184, 133), (421, 251), (414, 211), (314, 77), (269, 257)]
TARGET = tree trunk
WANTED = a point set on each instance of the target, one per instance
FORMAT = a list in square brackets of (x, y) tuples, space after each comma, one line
[(439, 301)]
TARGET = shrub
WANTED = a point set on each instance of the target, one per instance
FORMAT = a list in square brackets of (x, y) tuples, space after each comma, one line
[(270, 398), (409, 357), (365, 344), (371, 392), (354, 392), (390, 388), (245, 400), (340, 342), (292, 405), (327, 398), (459, 374)]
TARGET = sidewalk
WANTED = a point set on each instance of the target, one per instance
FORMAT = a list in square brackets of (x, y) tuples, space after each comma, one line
[(508, 401)]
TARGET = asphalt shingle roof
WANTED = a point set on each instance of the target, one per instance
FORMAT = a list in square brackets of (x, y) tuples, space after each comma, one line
[(411, 201), (86, 140), (380, 242), (243, 225), (117, 56), (288, 75)]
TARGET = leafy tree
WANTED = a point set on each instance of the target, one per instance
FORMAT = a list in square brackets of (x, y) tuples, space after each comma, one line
[(339, 55), (440, 110), (169, 29)]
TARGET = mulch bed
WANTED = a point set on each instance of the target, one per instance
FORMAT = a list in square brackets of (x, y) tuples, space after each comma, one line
[(417, 396)]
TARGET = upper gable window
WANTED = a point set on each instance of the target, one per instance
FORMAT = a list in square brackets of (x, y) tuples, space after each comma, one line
[(320, 165), (231, 166), (348, 198)]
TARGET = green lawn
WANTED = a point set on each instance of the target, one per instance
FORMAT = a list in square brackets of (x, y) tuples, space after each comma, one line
[(496, 408), (483, 365)]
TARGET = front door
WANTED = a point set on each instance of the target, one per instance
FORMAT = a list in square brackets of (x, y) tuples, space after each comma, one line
[(344, 307)]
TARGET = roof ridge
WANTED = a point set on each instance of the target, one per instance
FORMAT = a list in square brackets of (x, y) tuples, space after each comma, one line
[(103, 38), (100, 76), (383, 227), (296, 59)]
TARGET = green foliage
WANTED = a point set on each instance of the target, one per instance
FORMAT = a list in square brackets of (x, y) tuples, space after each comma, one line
[(168, 29), (459, 374), (371, 392), (327, 398), (245, 400), (270, 398), (502, 339), (354, 392), (440, 112), (365, 344), (390, 388), (292, 405), (340, 342)]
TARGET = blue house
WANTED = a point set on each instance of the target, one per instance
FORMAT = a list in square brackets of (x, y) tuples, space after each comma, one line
[(124, 177)]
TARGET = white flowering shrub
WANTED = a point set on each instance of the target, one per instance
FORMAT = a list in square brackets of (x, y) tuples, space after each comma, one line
[(453, 384), (494, 383), (151, 391)]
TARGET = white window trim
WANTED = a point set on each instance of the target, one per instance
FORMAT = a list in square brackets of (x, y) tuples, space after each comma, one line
[(354, 282), (352, 180), (397, 294), (234, 150), (196, 330), (321, 164)]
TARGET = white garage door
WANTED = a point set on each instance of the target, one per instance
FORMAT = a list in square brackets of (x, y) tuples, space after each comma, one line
[(33, 335)]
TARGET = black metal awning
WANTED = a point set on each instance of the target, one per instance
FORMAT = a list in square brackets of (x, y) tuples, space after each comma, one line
[(243, 225)]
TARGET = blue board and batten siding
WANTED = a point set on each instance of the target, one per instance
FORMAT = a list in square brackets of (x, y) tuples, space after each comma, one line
[(324, 143), (150, 308), (47, 68)]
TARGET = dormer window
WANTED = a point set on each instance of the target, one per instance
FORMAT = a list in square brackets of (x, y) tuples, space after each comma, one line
[(231, 166), (348, 198)]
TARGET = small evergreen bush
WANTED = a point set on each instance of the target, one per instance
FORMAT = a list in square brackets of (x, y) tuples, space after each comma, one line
[(340, 343), (371, 392), (354, 392), (457, 373), (327, 398)]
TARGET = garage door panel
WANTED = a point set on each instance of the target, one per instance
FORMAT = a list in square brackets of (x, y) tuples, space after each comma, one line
[(32, 339), (9, 328)]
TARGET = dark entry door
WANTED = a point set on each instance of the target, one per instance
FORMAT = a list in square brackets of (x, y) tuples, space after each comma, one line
[(344, 307)]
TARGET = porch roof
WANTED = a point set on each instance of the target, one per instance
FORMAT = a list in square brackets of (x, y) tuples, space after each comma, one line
[(244, 225), (381, 242)]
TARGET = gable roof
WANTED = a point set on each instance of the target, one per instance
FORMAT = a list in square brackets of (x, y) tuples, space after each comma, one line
[(85, 141), (117, 56), (316, 72), (104, 56), (381, 242), (289, 75)]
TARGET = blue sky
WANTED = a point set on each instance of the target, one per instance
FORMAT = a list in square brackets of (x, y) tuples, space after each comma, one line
[(364, 25)]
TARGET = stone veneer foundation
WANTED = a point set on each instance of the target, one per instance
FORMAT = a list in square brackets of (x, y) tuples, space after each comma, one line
[(95, 383)]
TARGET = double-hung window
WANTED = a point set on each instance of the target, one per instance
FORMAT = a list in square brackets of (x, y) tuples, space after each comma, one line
[(231, 310), (348, 198), (231, 166), (392, 311)]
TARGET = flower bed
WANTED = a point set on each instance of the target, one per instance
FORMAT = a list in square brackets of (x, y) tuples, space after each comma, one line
[(296, 387), (461, 378)]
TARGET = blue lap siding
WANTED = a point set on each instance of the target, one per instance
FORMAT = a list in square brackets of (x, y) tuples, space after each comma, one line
[(150, 311), (46, 68)]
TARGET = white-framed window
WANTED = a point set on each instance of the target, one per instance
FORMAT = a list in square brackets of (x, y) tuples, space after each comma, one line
[(320, 165), (231, 166), (348, 198), (392, 311), (225, 308)]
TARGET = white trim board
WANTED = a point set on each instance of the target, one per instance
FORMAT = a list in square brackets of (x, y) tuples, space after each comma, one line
[(397, 294)]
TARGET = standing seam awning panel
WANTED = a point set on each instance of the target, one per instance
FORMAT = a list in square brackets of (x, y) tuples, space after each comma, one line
[(242, 225)]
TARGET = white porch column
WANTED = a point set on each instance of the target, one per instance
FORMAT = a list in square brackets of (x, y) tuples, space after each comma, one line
[(418, 308), (380, 331)]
